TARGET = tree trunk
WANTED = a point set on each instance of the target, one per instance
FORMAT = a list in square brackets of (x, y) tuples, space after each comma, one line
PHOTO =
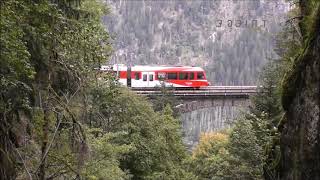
[(45, 129)]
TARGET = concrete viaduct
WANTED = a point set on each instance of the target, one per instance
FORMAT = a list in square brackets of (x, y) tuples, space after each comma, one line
[(207, 109)]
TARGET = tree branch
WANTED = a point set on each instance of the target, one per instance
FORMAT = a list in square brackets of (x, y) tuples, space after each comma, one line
[(50, 144), (24, 164)]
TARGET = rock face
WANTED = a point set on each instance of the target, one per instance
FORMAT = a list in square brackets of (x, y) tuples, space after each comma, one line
[(300, 134)]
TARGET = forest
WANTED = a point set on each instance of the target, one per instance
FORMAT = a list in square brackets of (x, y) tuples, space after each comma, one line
[(59, 120)]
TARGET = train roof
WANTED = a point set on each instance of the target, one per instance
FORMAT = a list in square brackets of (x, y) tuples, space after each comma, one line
[(121, 67)]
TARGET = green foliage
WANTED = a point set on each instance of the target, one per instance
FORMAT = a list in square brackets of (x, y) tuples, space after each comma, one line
[(15, 71), (247, 149), (155, 137), (14, 64), (209, 160), (79, 127), (309, 13), (58, 121), (166, 98), (239, 154), (104, 156), (49, 50), (267, 101)]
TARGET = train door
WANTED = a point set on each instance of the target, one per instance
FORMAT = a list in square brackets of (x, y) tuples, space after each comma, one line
[(148, 79), (152, 82), (129, 77)]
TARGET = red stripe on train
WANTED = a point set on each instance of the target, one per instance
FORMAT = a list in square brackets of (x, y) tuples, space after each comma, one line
[(189, 83)]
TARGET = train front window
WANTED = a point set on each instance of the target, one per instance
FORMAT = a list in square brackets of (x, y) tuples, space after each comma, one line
[(172, 76), (144, 77), (136, 76), (183, 76), (151, 77), (200, 75), (192, 75)]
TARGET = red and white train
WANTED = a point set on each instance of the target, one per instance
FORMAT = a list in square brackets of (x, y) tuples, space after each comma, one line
[(154, 76)]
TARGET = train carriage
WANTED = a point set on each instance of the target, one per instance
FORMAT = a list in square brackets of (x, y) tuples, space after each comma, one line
[(154, 76)]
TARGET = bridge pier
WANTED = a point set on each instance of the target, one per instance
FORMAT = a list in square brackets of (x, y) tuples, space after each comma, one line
[(208, 115)]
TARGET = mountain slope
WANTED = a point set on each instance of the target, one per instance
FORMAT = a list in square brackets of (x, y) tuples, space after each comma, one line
[(232, 40)]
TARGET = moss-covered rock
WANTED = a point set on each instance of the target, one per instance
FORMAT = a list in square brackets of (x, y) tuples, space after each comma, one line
[(300, 132)]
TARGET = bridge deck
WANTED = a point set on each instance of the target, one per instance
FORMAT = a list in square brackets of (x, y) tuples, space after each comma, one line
[(210, 91)]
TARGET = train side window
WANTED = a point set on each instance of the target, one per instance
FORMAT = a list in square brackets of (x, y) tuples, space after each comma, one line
[(172, 75), (145, 77), (183, 76), (192, 75), (136, 76), (200, 75), (151, 77)]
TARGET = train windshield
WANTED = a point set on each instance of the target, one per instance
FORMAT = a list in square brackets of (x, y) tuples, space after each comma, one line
[(200, 75)]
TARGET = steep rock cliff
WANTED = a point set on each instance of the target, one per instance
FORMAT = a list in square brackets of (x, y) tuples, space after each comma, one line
[(300, 131)]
